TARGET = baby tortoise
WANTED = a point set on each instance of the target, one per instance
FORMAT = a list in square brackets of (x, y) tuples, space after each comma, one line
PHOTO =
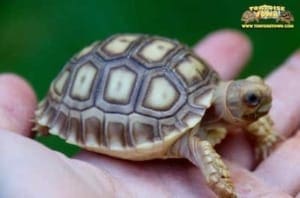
[(249, 16), (140, 97), (285, 16)]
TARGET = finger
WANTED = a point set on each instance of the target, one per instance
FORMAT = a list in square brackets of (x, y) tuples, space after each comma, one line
[(17, 104), (286, 103), (281, 169), (248, 185), (29, 167), (226, 50), (237, 148), (176, 178), (171, 178)]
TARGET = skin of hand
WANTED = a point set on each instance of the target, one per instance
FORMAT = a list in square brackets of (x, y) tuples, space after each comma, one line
[(29, 169)]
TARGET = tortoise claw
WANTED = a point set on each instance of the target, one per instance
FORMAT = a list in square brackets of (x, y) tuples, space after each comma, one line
[(266, 145)]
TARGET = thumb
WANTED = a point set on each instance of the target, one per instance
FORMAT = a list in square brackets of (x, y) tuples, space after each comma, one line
[(17, 104)]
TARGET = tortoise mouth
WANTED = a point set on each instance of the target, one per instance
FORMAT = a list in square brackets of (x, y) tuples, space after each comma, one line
[(264, 108), (261, 111)]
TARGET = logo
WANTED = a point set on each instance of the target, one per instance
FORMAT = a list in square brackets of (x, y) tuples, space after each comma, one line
[(267, 16)]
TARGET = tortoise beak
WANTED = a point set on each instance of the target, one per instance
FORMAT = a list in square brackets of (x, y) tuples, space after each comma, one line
[(261, 111), (264, 108)]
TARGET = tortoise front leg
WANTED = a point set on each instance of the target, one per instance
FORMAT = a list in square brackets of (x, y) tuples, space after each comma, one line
[(214, 134), (202, 154), (264, 135)]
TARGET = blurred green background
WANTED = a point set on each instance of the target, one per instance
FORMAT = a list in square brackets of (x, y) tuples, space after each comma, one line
[(38, 37)]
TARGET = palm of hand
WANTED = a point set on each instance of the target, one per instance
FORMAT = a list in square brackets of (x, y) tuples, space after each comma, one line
[(28, 169)]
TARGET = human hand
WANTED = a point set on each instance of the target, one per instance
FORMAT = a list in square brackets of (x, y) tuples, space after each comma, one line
[(29, 169)]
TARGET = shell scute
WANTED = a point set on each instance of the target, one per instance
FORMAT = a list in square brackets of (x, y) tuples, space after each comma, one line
[(117, 46), (120, 80)]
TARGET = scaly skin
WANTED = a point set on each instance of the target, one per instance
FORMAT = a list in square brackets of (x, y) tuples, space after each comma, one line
[(265, 137), (203, 155), (215, 171)]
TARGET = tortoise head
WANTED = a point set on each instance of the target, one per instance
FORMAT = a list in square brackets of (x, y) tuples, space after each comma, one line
[(246, 100), (286, 16)]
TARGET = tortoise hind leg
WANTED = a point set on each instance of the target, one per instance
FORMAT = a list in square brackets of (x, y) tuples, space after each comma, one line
[(202, 154)]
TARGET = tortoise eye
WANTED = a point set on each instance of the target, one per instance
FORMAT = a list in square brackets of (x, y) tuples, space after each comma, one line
[(252, 99)]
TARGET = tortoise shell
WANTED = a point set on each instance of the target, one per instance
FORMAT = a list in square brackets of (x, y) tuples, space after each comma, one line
[(130, 96)]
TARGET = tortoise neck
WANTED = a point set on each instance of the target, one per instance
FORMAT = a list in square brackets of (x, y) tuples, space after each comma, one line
[(219, 111)]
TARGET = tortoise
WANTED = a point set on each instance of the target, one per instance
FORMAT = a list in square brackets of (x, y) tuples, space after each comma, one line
[(249, 16), (285, 16), (141, 97)]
